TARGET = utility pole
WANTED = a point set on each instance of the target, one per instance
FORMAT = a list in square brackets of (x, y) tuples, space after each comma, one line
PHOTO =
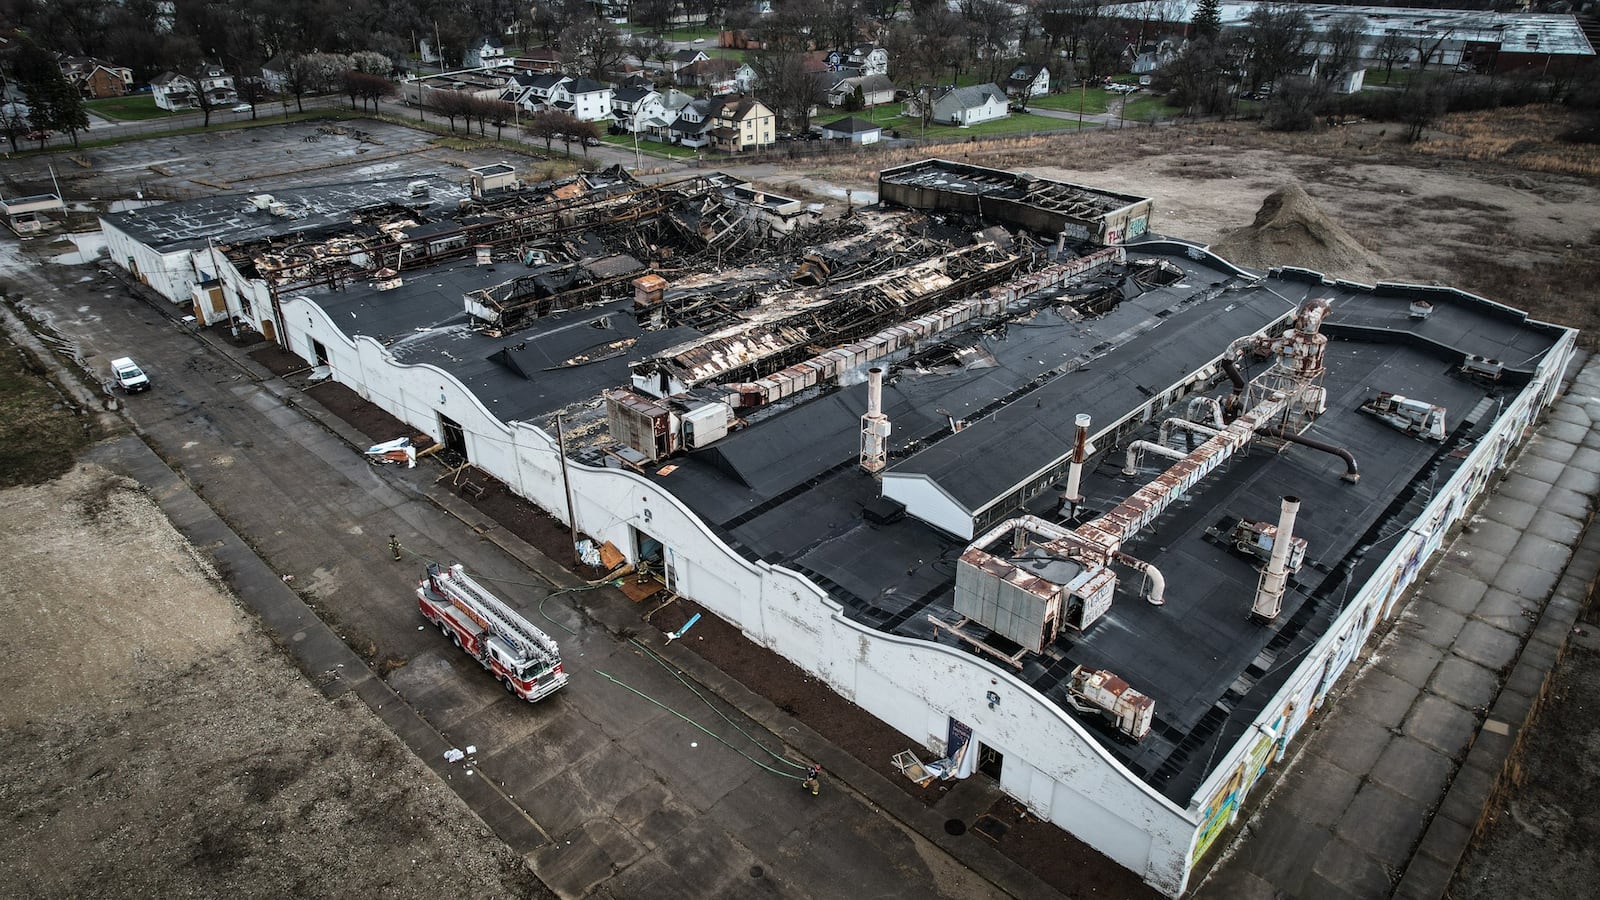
[(566, 485)]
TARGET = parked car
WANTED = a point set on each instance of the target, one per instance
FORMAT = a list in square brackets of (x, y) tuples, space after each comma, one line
[(128, 376), (243, 107), (591, 142)]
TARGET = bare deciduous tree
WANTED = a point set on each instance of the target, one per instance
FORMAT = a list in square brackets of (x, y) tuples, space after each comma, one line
[(1279, 36), (1390, 49), (1341, 48)]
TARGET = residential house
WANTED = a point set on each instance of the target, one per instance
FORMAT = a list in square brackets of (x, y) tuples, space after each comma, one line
[(659, 127), (1149, 56), (539, 59), (1028, 80), (217, 85), (852, 129), (634, 106), (173, 92), (585, 98), (685, 58), (719, 76), (535, 92), (275, 73), (613, 11), (743, 123), (875, 89), (485, 52), (693, 124), (863, 59), (96, 78), (970, 105)]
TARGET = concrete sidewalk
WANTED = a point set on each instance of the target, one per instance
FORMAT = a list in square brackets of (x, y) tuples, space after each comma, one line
[(1382, 798)]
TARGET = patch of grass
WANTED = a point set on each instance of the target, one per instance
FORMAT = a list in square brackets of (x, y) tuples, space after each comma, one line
[(1146, 109), (1377, 77), (690, 32), (1093, 100), (40, 434), (651, 148), (1016, 123), (131, 108)]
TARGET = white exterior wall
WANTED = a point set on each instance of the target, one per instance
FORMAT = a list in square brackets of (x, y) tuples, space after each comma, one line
[(1052, 764), (592, 106), (169, 274), (990, 110)]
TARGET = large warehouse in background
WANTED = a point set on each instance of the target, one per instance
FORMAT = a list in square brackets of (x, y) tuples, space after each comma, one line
[(1102, 521)]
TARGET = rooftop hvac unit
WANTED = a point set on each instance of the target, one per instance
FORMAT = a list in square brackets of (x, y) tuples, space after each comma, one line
[(1483, 367), (418, 188), (280, 210), (640, 424), (705, 424), (1099, 691), (262, 202)]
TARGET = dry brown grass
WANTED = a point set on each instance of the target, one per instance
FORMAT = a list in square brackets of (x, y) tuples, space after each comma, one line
[(1524, 137)]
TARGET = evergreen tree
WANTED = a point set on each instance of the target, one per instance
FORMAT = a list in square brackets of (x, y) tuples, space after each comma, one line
[(1208, 18)]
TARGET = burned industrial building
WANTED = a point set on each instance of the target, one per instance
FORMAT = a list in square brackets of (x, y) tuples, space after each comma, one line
[(1100, 519)]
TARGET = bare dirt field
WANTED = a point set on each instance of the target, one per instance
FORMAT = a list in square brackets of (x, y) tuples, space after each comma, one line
[(154, 743)]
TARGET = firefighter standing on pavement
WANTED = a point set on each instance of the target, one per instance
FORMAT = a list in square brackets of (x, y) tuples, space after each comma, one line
[(813, 779), (394, 546)]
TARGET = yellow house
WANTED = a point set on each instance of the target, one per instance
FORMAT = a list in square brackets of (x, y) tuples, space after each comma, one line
[(743, 123)]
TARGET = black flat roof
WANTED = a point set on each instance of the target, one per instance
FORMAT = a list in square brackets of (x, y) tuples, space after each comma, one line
[(787, 490), (232, 219), (425, 321)]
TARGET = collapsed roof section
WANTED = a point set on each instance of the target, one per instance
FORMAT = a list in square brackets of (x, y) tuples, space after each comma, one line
[(1047, 208), (787, 325), (343, 234)]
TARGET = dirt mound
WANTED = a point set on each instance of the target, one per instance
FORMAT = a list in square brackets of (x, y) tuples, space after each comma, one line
[(1291, 230)]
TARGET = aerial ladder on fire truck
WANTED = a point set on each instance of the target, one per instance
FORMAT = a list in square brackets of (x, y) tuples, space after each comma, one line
[(523, 658)]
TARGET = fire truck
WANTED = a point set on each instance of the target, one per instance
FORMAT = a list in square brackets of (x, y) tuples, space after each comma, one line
[(522, 658)]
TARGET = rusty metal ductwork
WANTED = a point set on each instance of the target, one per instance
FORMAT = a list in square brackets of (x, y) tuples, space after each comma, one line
[(1351, 474)]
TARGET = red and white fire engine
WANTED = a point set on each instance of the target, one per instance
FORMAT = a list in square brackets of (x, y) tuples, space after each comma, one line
[(522, 657)]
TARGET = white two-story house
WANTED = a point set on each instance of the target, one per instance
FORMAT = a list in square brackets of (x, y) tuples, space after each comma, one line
[(633, 107), (585, 98), (174, 92)]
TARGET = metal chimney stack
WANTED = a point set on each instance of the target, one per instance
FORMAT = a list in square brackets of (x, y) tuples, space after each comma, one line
[(874, 425), (1080, 450), (1269, 594)]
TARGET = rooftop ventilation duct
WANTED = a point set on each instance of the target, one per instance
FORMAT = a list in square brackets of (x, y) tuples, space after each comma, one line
[(1269, 595), (1080, 452), (874, 425)]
